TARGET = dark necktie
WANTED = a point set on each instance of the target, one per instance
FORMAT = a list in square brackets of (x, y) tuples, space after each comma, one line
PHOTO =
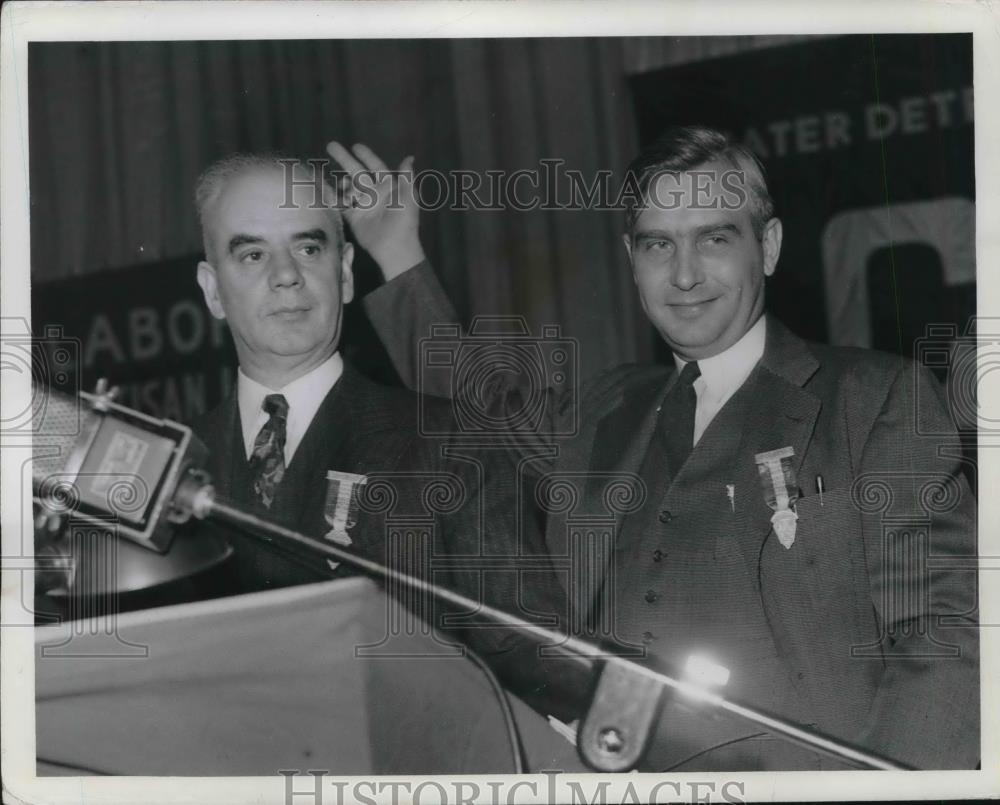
[(678, 417), (267, 461)]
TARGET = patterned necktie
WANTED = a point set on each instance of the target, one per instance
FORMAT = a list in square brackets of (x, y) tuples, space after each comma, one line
[(679, 409), (267, 461)]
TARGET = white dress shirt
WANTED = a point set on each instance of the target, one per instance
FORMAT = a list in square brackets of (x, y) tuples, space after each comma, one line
[(304, 396), (723, 374)]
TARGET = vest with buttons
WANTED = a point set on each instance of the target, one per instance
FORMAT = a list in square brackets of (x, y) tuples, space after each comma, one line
[(682, 586)]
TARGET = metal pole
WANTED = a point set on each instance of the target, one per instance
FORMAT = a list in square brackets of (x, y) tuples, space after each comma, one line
[(205, 504)]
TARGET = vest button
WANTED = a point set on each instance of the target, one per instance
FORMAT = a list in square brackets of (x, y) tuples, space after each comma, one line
[(665, 516), (647, 638), (658, 555), (651, 597)]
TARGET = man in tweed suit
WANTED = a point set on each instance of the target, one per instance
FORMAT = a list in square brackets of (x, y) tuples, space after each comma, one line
[(835, 620)]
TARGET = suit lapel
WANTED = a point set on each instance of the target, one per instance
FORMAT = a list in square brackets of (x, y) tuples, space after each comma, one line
[(622, 437), (345, 436), (619, 444), (319, 451), (223, 437), (329, 430), (779, 413)]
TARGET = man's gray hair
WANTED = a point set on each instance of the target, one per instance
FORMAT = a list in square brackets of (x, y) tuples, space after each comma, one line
[(213, 180)]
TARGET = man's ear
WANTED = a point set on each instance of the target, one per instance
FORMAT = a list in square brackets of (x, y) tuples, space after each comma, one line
[(210, 289), (346, 274), (772, 245)]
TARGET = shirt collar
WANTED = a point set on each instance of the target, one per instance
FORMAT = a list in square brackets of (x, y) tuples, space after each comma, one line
[(304, 396), (724, 373)]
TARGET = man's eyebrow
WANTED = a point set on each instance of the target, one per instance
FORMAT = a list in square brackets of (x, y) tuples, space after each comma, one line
[(313, 234), (652, 234), (241, 240), (660, 234), (704, 230)]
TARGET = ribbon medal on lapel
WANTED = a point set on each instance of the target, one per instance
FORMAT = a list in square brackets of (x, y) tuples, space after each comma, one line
[(777, 478), (341, 511)]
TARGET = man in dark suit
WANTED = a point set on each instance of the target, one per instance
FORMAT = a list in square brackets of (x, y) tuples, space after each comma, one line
[(278, 270), (301, 426), (792, 522)]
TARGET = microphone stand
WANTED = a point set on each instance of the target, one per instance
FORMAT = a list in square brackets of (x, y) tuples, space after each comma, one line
[(616, 730)]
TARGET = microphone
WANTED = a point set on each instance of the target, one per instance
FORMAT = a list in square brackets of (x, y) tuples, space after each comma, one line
[(101, 471), (108, 464)]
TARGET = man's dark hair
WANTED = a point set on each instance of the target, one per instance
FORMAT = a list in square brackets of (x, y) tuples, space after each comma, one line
[(684, 148)]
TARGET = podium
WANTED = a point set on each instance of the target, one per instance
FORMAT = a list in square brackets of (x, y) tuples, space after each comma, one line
[(293, 679)]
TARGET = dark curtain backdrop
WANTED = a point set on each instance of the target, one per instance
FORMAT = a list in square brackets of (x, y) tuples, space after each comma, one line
[(119, 132)]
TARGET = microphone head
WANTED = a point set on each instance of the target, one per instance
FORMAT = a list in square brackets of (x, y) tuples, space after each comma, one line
[(111, 465)]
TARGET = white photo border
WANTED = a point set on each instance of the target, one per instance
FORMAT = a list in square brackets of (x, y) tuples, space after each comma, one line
[(24, 22)]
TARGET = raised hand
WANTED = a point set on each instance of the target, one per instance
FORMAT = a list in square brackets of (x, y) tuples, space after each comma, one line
[(381, 208)]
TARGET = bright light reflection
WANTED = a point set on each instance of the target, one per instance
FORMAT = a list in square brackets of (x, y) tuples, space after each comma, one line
[(702, 677)]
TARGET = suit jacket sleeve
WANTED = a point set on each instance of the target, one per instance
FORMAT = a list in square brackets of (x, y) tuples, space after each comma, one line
[(926, 709), (517, 580), (403, 312)]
